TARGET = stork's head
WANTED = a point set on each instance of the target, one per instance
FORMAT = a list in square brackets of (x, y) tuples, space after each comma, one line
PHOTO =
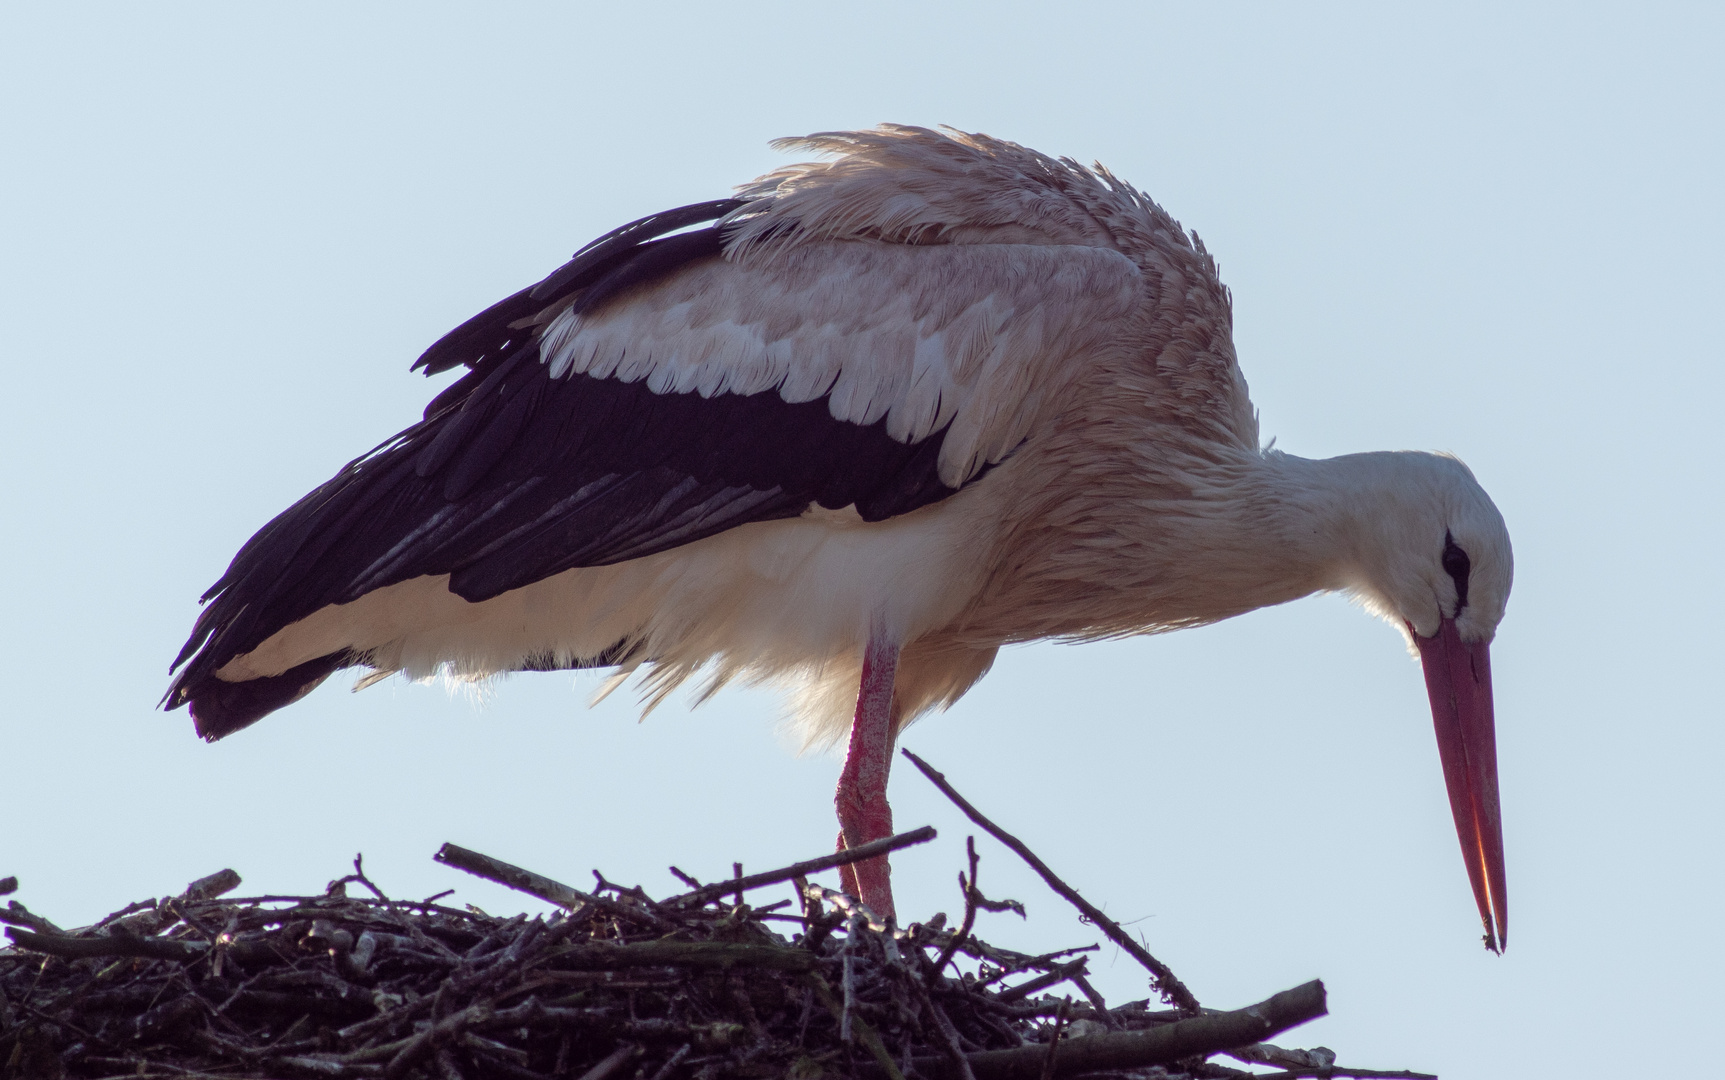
[(1427, 544), (1430, 553)]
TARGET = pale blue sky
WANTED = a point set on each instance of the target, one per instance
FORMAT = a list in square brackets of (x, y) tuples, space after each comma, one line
[(225, 234)]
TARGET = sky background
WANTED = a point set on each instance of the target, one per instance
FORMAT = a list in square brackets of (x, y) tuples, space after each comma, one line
[(225, 233)]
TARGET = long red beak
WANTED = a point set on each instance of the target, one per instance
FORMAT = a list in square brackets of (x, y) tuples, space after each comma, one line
[(1458, 678)]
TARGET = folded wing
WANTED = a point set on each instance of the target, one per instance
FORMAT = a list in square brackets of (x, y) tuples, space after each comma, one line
[(651, 393)]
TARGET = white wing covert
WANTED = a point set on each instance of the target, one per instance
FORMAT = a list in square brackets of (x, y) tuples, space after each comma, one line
[(965, 340)]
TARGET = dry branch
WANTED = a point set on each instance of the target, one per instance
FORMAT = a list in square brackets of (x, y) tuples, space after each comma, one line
[(1157, 1046), (706, 894), (1044, 981), (117, 945), (1162, 978), (552, 892)]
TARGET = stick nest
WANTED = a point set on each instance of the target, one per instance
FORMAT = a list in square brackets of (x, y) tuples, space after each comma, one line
[(616, 986)]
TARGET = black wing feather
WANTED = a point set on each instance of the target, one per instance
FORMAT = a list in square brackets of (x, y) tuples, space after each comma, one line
[(489, 333), (514, 477)]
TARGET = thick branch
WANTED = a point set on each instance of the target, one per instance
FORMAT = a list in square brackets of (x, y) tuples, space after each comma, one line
[(133, 945), (520, 880), (71, 948), (1138, 1049)]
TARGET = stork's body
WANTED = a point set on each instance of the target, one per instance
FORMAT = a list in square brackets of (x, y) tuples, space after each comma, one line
[(896, 410)]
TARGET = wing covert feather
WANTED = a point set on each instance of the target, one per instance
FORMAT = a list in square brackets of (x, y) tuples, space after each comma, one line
[(971, 336)]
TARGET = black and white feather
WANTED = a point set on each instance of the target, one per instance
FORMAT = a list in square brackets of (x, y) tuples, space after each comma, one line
[(649, 395)]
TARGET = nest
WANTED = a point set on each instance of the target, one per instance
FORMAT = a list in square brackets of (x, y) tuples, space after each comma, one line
[(615, 986)]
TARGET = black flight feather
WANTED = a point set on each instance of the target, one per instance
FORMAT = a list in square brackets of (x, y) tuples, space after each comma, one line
[(514, 476), (489, 334)]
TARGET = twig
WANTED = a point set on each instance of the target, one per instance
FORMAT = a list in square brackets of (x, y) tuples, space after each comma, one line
[(673, 1061), (422, 1043), (601, 956), (1054, 1039), (708, 893), (358, 876), (8, 885), (685, 878), (1013, 963), (210, 887), (848, 905), (1096, 1002), (948, 1034), (864, 1031), (818, 925), (1162, 977), (850, 974), (428, 904), (1338, 1071), (1044, 981), (1320, 1057), (617, 1059), (129, 909), (19, 915), (554, 892), (970, 895)]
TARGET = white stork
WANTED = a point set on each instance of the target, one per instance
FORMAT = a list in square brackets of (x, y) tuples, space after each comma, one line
[(878, 416)]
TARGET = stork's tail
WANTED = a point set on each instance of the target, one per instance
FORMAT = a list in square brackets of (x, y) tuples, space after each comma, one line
[(221, 708)]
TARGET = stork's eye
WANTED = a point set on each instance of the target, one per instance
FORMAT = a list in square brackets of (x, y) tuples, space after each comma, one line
[(1456, 564)]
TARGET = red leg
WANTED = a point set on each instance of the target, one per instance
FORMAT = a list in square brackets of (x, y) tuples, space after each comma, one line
[(861, 799)]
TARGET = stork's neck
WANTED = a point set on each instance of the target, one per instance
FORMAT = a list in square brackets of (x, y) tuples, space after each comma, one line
[(1264, 530), (1247, 534), (1182, 546), (1283, 527), (1319, 513)]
